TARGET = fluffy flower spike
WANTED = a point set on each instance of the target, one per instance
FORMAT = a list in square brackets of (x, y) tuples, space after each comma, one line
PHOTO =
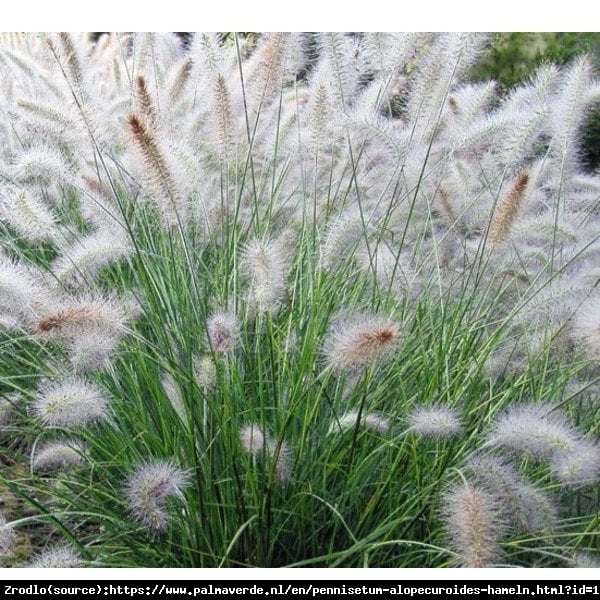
[(357, 340), (149, 487)]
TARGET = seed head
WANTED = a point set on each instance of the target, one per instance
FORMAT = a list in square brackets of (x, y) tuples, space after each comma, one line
[(205, 373), (144, 102), (28, 215), (83, 261), (41, 165), (535, 429), (223, 129), (586, 328), (257, 443), (264, 264), (69, 403), (83, 317), (98, 205), (356, 340), (57, 557), (473, 526), (10, 323), (370, 420), (7, 409), (253, 439), (58, 455), (7, 534), (149, 487), (66, 51), (523, 505), (281, 454), (92, 352), (174, 395), (343, 235), (585, 560), (157, 171), (508, 208), (434, 421), (290, 343), (578, 466), (222, 332), (20, 292)]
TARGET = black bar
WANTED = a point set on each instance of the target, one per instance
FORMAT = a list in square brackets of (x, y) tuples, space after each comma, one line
[(384, 589)]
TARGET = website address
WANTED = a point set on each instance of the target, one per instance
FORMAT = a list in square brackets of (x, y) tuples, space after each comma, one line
[(297, 590)]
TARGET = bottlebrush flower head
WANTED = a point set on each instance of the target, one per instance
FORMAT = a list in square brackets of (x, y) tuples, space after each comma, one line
[(290, 342), (586, 328), (258, 443), (57, 456), (434, 421), (144, 103), (535, 429), (82, 261), (264, 264), (57, 557), (525, 506), (25, 212), (10, 323), (268, 66), (98, 204), (157, 172), (369, 420), (222, 332), (578, 466), (148, 489), (473, 524), (92, 352), (41, 165), (21, 291), (205, 373), (74, 317), (390, 269), (179, 80), (585, 560), (356, 340), (174, 395), (223, 124), (343, 235), (507, 209), (7, 409), (7, 535), (65, 49), (253, 439), (69, 403), (282, 455)]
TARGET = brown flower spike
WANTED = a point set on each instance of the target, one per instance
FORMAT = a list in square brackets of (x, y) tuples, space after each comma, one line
[(356, 340), (507, 209)]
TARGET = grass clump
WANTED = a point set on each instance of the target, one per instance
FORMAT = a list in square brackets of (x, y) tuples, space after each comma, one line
[(305, 302)]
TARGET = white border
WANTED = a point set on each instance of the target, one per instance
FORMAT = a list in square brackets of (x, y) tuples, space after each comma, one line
[(302, 15)]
